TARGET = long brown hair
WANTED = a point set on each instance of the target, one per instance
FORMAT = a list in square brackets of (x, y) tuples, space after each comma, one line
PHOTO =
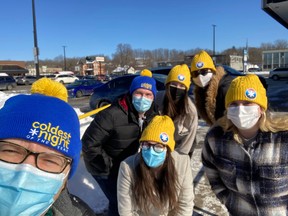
[(174, 108), (156, 187)]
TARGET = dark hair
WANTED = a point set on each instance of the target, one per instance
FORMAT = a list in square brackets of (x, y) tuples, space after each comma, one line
[(158, 185), (174, 108)]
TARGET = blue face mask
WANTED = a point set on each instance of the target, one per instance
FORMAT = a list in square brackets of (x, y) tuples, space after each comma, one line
[(141, 104), (26, 190), (153, 159)]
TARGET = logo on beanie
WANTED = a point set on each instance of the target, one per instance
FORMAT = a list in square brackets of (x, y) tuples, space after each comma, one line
[(181, 77), (250, 93), (50, 135), (199, 64), (164, 137), (146, 86)]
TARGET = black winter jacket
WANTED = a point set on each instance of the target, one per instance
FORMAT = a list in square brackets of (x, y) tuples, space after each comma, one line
[(112, 136), (69, 205)]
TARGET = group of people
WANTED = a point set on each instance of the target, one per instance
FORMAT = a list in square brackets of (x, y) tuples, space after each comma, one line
[(139, 149)]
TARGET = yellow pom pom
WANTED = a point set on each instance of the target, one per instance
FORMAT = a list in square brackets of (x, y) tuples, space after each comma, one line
[(50, 87), (146, 72)]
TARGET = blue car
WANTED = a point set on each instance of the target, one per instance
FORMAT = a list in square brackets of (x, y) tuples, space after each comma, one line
[(108, 92), (83, 87)]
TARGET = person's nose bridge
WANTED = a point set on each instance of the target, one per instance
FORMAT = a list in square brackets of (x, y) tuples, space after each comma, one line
[(30, 159)]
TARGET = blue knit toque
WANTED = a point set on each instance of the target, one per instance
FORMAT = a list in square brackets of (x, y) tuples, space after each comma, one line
[(145, 81), (46, 120)]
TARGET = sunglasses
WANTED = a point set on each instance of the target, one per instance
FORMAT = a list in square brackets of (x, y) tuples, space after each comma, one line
[(203, 72)]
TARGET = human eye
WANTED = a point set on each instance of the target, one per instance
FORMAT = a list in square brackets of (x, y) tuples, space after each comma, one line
[(145, 146), (50, 161), (159, 148), (10, 149)]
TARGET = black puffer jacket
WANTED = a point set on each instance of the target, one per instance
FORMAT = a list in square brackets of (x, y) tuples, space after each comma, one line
[(112, 136), (69, 205)]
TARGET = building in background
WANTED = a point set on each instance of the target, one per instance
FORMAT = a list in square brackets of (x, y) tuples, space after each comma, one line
[(93, 66), (274, 58), (13, 68)]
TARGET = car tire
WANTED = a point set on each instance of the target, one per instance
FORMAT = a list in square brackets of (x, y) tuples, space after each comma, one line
[(103, 103), (79, 94), (9, 87), (275, 77)]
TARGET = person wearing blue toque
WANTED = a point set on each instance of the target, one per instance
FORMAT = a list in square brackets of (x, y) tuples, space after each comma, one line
[(114, 134), (40, 149)]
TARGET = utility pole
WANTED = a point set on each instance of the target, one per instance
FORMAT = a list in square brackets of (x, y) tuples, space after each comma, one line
[(35, 50), (214, 58), (64, 57)]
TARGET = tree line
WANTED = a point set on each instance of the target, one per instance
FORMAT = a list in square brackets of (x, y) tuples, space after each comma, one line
[(125, 55)]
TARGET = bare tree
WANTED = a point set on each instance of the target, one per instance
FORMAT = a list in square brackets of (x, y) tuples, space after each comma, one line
[(124, 55)]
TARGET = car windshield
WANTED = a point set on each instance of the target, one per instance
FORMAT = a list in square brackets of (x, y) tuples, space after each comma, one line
[(77, 83), (160, 77)]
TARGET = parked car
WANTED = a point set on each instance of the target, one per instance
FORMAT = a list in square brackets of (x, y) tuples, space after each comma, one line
[(25, 80), (278, 73), (82, 87), (108, 92), (64, 78), (7, 83)]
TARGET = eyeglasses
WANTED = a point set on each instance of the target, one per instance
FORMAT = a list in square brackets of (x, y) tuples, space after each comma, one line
[(159, 148), (48, 162), (203, 72)]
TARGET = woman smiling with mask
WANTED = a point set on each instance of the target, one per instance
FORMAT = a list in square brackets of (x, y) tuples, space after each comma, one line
[(157, 180), (246, 153), (176, 103)]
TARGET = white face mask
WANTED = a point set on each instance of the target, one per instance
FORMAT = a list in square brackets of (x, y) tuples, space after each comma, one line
[(244, 117), (202, 81)]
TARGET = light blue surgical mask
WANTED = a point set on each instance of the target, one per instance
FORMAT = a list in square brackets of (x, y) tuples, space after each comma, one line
[(26, 190), (141, 104), (153, 159)]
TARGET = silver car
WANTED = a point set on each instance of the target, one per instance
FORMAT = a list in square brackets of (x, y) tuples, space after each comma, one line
[(278, 73)]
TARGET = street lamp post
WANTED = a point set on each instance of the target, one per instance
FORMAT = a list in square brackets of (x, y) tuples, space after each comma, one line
[(64, 49), (214, 41), (36, 50)]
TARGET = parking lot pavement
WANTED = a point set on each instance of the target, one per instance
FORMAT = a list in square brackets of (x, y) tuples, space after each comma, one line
[(206, 203)]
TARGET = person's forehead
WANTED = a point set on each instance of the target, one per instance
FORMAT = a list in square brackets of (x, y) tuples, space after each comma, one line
[(141, 90), (33, 146)]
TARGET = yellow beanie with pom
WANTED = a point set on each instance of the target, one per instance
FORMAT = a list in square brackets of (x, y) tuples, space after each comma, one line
[(202, 60), (50, 87), (161, 130), (181, 74)]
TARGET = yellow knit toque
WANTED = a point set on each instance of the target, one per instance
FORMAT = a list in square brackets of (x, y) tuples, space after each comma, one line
[(247, 88), (50, 87), (181, 74), (202, 60), (161, 130)]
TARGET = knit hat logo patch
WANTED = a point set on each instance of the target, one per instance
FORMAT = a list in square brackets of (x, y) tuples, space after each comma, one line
[(250, 93), (199, 64), (146, 86), (181, 77), (49, 134), (164, 137)]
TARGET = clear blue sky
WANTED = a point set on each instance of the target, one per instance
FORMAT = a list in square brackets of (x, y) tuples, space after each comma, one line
[(89, 27)]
